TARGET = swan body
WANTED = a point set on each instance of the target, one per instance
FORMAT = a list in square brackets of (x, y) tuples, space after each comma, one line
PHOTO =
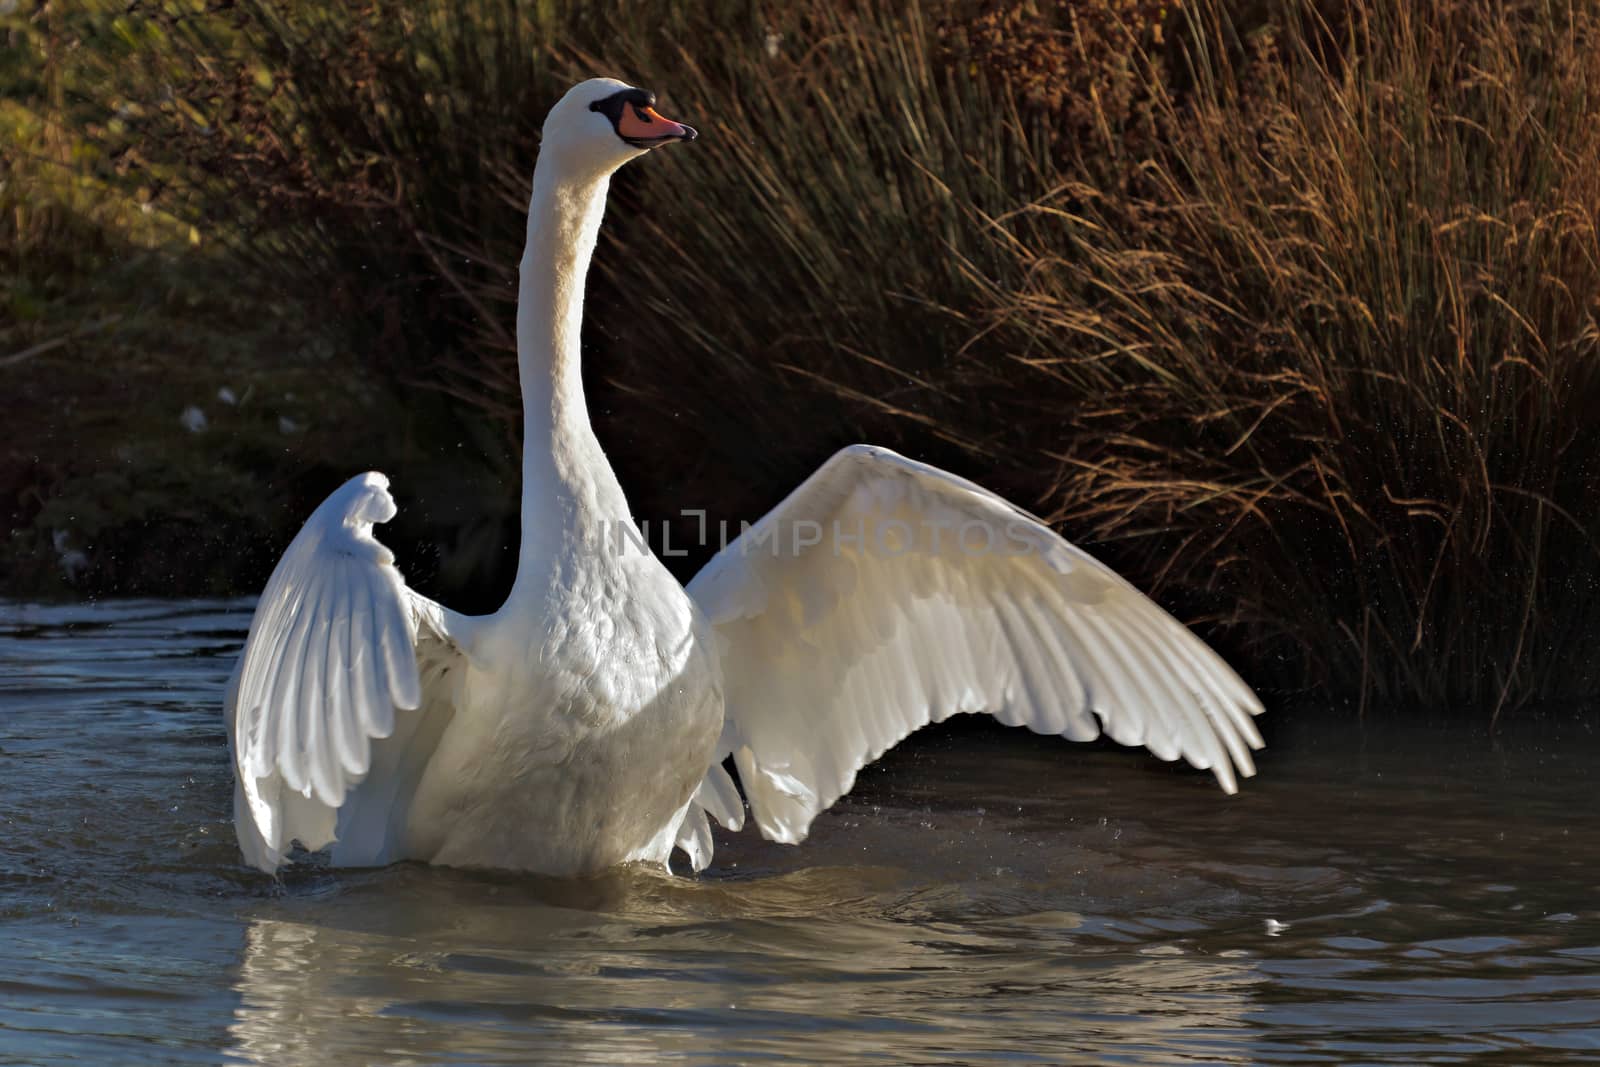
[(586, 723)]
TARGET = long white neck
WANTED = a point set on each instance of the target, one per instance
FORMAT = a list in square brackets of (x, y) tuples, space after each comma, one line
[(570, 497)]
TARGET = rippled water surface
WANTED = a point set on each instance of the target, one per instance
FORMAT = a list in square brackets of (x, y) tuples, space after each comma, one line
[(1376, 895)]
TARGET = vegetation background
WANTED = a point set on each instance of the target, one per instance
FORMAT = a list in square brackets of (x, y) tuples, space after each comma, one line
[(1290, 309)]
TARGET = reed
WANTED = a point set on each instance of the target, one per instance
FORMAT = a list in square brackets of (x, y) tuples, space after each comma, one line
[(1301, 329), (1289, 309)]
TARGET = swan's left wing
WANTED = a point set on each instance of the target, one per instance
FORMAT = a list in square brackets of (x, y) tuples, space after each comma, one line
[(332, 687), (885, 594)]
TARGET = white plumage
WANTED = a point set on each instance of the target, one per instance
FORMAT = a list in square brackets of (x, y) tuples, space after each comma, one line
[(924, 596), (586, 722)]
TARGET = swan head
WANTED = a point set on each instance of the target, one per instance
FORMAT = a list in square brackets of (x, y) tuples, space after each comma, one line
[(602, 123)]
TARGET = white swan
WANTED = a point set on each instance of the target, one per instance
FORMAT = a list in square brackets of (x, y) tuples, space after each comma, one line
[(585, 723)]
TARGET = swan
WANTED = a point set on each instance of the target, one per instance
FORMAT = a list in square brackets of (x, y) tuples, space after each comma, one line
[(586, 723)]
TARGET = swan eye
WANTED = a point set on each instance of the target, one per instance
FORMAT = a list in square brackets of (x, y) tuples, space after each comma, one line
[(612, 106)]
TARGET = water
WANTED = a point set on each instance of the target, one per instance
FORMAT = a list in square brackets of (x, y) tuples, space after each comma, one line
[(1375, 895)]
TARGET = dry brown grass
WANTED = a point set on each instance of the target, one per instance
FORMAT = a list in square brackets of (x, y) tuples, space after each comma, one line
[(1315, 361), (1290, 308)]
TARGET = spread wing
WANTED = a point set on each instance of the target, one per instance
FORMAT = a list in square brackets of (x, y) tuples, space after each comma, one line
[(330, 685), (884, 594)]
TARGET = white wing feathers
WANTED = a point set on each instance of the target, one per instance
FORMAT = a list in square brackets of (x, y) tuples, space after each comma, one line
[(720, 797), (884, 594), (331, 657), (717, 796)]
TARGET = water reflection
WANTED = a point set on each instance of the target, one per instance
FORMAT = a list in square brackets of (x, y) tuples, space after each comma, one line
[(489, 971), (984, 896)]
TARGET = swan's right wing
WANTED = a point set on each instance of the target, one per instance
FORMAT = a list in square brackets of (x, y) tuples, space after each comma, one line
[(885, 594), (329, 672)]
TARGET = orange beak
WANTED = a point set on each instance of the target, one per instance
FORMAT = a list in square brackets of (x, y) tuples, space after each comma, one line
[(644, 127)]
